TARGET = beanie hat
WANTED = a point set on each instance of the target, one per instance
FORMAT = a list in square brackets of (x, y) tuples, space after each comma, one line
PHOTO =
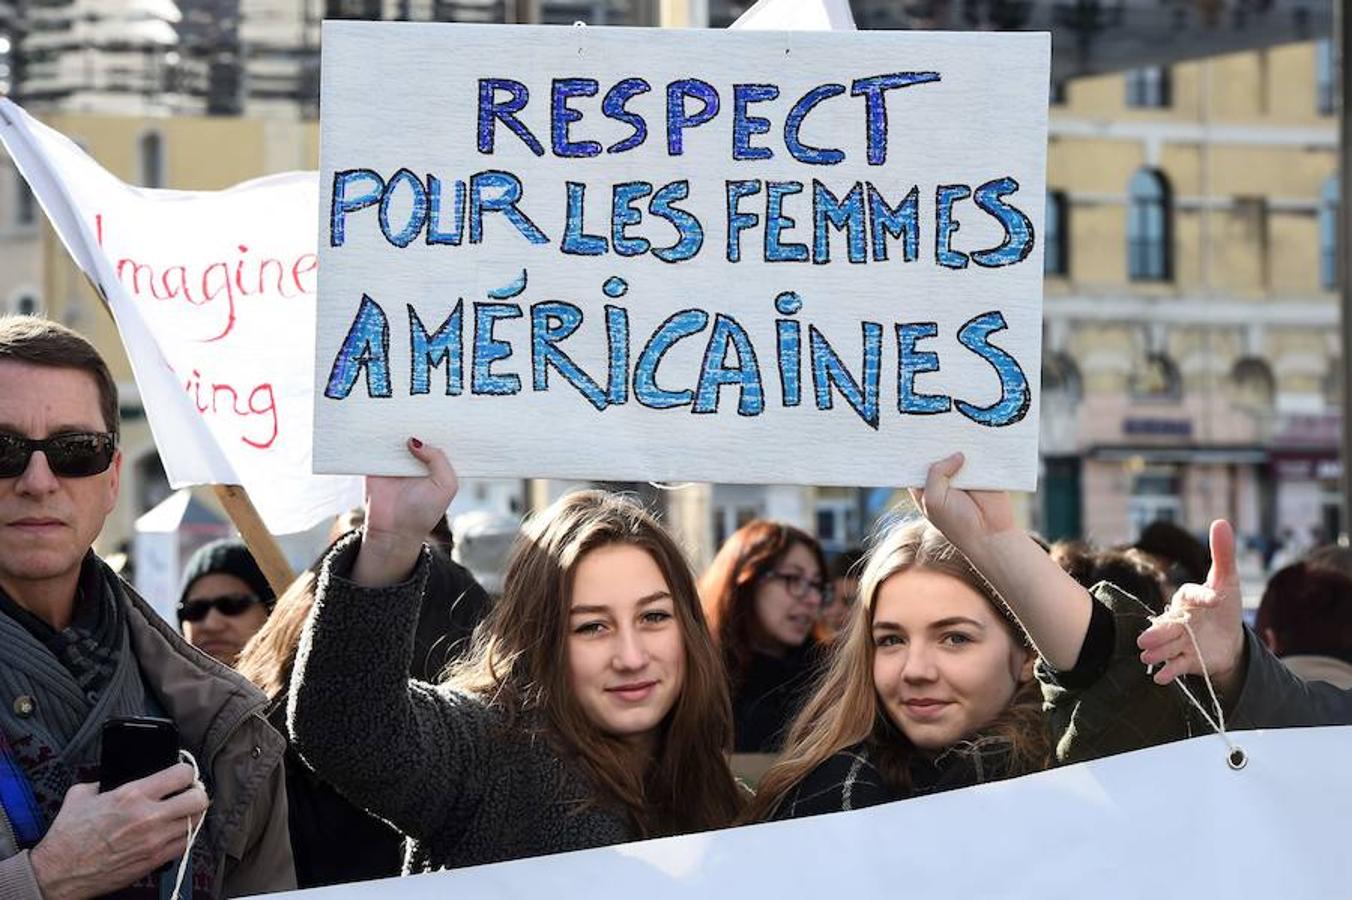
[(227, 557)]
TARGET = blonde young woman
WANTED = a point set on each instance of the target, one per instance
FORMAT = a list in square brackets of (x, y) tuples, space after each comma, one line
[(930, 687), (590, 710)]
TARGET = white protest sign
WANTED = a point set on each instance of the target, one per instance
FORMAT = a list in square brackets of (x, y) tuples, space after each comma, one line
[(1169, 822), (735, 256), (214, 297)]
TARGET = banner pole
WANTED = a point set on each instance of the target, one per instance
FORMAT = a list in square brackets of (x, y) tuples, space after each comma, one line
[(266, 552)]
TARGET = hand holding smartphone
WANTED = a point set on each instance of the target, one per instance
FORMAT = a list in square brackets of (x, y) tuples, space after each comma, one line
[(134, 747)]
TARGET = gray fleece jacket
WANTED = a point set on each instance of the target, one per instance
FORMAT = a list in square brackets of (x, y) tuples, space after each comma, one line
[(437, 764)]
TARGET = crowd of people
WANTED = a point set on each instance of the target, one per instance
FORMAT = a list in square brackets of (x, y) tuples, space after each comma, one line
[(384, 714)]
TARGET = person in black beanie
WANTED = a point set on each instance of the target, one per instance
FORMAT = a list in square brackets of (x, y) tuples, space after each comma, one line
[(225, 599)]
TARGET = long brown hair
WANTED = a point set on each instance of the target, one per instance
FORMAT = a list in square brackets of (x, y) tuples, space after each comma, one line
[(728, 586), (844, 709), (270, 654), (519, 663)]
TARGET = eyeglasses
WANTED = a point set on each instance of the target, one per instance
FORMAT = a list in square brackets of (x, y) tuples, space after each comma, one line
[(226, 605), (798, 585), (74, 455)]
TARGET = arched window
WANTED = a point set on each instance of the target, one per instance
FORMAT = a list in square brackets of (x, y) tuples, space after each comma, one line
[(1055, 230), (1061, 381), (1328, 235), (152, 160), (1156, 378), (1148, 228), (1254, 386)]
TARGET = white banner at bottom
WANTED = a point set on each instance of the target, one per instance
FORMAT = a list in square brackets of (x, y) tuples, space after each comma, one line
[(1171, 821)]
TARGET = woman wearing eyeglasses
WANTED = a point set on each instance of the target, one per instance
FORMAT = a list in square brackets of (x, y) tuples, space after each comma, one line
[(224, 601), (762, 595)]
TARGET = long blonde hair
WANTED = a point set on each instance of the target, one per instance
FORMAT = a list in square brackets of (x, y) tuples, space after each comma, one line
[(519, 663), (844, 709)]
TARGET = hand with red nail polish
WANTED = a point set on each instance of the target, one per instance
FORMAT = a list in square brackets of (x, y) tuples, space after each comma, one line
[(400, 513)]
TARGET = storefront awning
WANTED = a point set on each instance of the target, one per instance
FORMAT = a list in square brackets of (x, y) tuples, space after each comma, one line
[(1214, 456)]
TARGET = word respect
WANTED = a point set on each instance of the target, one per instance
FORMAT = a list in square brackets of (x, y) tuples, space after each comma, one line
[(690, 103)]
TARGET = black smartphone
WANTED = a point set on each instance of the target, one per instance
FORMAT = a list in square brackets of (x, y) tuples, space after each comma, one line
[(134, 747)]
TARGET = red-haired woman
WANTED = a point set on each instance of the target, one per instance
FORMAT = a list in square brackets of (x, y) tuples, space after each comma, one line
[(762, 596)]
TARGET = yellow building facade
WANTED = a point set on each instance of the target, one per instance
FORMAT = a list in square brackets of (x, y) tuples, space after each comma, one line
[(1191, 321), (1192, 351)]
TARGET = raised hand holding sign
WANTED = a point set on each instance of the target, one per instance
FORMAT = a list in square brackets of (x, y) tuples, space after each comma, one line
[(401, 512)]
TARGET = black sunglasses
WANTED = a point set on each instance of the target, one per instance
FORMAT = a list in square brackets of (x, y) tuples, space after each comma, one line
[(227, 605), (73, 455)]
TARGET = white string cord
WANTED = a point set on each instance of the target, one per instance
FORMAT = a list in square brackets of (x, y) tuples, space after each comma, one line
[(1236, 758), (193, 830)]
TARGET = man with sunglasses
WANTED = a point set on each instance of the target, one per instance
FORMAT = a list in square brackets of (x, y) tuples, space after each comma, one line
[(79, 647)]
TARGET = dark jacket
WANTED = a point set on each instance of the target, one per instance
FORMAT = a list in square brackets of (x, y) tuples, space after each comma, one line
[(1273, 696), (220, 720), (1117, 708), (768, 696), (453, 604), (441, 766), (335, 841), (1121, 708), (850, 779)]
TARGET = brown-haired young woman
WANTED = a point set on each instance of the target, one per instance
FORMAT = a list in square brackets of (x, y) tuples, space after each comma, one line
[(930, 687), (763, 593), (591, 709)]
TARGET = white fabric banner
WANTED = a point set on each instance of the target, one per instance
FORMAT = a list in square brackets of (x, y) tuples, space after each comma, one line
[(1168, 822), (214, 296)]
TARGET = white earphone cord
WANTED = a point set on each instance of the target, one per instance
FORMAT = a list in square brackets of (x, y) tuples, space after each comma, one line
[(193, 830)]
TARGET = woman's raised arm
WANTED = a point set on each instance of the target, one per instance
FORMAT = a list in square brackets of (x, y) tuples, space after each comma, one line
[(1050, 604)]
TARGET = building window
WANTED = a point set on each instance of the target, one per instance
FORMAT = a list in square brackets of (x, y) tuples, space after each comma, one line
[(1255, 389), (1156, 496), (27, 305), (1057, 96), (1333, 383), (1055, 243), (352, 9), (1157, 379), (1326, 85), (152, 160), (1328, 235), (1148, 231), (25, 204), (1148, 88), (1061, 382)]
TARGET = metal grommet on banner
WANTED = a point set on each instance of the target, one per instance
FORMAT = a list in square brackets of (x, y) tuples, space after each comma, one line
[(1236, 759)]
